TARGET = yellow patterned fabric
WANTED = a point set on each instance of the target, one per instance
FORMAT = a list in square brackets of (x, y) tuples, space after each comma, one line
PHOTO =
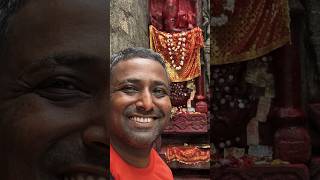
[(244, 30), (181, 52)]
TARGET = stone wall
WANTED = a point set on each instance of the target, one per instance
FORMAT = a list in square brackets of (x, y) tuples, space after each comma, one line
[(129, 24)]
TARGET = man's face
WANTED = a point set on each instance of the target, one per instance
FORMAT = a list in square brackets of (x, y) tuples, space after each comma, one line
[(140, 103), (54, 92)]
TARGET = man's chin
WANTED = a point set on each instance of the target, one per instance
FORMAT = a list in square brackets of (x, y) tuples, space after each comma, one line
[(143, 142)]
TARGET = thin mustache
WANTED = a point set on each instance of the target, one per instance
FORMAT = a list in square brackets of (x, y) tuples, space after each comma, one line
[(134, 111)]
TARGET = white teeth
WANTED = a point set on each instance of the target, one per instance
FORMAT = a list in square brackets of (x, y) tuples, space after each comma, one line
[(142, 119)]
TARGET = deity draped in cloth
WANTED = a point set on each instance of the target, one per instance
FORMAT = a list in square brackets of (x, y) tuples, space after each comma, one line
[(173, 15), (174, 34)]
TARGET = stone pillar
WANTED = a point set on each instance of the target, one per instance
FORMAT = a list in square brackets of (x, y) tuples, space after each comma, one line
[(291, 139)]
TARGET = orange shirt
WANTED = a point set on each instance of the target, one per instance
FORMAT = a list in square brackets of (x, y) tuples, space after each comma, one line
[(156, 170)]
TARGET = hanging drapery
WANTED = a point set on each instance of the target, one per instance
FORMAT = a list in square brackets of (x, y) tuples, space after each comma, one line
[(246, 29), (181, 51)]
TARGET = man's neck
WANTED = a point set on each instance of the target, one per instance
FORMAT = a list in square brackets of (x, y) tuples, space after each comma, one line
[(138, 157)]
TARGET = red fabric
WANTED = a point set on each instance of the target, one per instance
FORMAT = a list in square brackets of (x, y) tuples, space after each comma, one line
[(182, 12), (156, 170), (187, 154), (247, 29)]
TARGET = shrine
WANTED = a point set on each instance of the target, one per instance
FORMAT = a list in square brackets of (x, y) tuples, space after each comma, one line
[(176, 32), (245, 84)]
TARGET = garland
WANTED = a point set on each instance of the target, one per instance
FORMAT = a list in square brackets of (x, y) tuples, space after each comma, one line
[(181, 52)]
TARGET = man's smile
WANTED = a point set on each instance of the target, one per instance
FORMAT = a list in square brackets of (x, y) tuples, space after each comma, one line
[(142, 122)]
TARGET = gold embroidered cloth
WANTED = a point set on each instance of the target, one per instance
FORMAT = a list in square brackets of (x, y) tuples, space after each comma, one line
[(194, 41), (187, 154), (247, 29)]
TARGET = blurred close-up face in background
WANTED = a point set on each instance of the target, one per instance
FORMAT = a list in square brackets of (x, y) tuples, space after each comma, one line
[(54, 89)]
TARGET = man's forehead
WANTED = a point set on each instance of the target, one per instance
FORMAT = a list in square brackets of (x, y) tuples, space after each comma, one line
[(60, 8), (42, 28), (137, 69)]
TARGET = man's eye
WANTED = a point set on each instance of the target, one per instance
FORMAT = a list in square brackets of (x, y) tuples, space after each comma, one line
[(58, 84), (160, 92), (59, 89), (129, 89), (61, 84)]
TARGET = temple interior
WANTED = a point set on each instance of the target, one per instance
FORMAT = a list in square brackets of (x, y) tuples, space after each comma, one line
[(245, 84)]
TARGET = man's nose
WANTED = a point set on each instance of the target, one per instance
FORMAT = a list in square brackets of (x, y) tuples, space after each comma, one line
[(96, 134), (145, 101), (95, 137)]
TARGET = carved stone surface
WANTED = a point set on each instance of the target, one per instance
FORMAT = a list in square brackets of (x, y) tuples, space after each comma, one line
[(288, 172), (188, 123), (128, 24)]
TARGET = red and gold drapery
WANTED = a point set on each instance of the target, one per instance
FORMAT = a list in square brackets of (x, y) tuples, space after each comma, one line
[(181, 52), (187, 154), (246, 29)]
